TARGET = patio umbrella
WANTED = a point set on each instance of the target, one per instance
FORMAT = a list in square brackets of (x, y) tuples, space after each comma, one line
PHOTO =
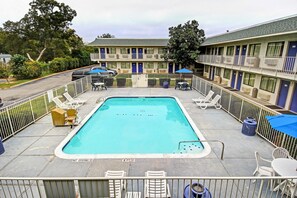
[(96, 71), (284, 123), (184, 71)]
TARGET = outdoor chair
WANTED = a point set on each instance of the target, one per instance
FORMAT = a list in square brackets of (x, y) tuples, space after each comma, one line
[(71, 117), (116, 185), (280, 152), (261, 169), (206, 99), (62, 105), (154, 187), (212, 103), (71, 100)]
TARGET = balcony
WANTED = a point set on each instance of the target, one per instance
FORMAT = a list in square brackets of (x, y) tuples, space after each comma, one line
[(283, 67)]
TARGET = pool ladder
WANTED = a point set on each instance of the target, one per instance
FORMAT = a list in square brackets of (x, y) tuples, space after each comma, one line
[(191, 141)]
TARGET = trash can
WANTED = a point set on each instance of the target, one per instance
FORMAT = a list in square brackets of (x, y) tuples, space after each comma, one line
[(166, 84), (254, 92), (196, 190), (249, 126), (1, 147)]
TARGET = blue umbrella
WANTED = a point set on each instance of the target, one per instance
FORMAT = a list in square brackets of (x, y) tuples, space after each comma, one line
[(184, 71), (284, 123), (96, 71)]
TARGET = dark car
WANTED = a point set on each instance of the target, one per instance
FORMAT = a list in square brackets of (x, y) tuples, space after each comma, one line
[(79, 74), (110, 71), (1, 103)]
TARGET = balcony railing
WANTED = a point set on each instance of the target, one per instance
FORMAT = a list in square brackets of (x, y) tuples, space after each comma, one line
[(277, 66)]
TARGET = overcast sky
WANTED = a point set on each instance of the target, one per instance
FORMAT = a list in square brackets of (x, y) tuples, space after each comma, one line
[(152, 18)]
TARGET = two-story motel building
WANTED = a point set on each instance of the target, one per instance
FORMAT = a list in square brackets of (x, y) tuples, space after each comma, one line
[(259, 60)]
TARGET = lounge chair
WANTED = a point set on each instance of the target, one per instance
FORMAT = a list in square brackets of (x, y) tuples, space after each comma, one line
[(71, 100), (207, 98), (116, 185), (154, 187), (212, 103), (62, 105)]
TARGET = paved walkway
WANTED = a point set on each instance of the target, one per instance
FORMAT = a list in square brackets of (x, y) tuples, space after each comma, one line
[(31, 152)]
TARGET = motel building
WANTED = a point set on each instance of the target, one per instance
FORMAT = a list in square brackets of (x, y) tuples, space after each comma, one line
[(259, 61)]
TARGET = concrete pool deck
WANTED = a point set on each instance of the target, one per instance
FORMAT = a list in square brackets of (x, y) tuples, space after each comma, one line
[(30, 153)]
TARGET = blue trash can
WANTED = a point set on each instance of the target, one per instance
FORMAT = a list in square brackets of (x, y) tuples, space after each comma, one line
[(1, 147), (249, 126), (193, 192), (166, 84)]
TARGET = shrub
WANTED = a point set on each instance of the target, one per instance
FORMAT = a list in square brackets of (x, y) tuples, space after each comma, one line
[(57, 65), (31, 70)]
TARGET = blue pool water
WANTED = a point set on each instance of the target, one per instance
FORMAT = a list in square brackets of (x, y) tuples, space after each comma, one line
[(134, 125)]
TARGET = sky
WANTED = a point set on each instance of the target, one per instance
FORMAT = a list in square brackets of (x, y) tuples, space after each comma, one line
[(152, 18)]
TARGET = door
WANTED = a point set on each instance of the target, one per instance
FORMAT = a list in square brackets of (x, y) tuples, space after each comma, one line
[(236, 55), (134, 70), (243, 54), (291, 57), (176, 67), (140, 53), (233, 79), (294, 100), (239, 80), (140, 68), (102, 53), (170, 69), (283, 93), (134, 53)]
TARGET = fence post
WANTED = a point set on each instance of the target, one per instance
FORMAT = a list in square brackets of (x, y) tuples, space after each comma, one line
[(46, 107), (75, 87), (259, 119), (229, 103), (240, 114), (31, 109), (82, 86), (10, 123)]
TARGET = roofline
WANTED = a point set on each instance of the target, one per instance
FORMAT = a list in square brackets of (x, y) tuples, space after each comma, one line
[(249, 38)]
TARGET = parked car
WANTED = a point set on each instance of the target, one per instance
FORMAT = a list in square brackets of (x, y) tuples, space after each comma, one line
[(1, 103), (110, 71), (79, 74)]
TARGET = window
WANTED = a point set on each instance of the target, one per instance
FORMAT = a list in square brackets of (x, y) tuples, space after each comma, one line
[(162, 51), (112, 65), (218, 71), (125, 50), (111, 50), (227, 73), (275, 49), (148, 65), (221, 51), (206, 68), (254, 50), (249, 79), (125, 65), (162, 65), (230, 51), (268, 84), (149, 50)]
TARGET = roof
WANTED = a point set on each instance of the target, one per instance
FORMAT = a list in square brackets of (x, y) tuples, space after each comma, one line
[(279, 26), (118, 42)]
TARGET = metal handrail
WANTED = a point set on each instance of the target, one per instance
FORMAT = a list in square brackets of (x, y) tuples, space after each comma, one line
[(189, 141)]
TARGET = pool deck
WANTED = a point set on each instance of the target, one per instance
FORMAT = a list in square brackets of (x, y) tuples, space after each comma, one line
[(30, 153)]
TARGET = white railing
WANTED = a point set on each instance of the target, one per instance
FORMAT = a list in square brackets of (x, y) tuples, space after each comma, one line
[(279, 65), (177, 187), (241, 108), (19, 115)]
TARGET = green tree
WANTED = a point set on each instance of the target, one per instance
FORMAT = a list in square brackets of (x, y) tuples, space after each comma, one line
[(184, 42), (106, 35), (46, 24)]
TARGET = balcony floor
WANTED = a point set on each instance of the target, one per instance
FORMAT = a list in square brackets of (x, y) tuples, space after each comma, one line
[(30, 153)]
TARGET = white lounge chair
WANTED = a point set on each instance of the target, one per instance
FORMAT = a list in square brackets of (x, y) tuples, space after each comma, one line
[(71, 100), (212, 103), (62, 105), (156, 187), (206, 99), (116, 186)]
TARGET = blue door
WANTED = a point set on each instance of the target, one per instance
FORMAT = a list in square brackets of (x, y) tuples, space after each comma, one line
[(134, 53), (243, 54), (291, 58), (239, 80), (102, 53), (233, 79), (140, 68), (237, 50), (134, 70), (103, 64), (283, 93), (140, 53), (170, 69), (176, 67), (294, 100)]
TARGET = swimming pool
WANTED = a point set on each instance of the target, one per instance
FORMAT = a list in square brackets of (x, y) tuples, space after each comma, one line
[(134, 127)]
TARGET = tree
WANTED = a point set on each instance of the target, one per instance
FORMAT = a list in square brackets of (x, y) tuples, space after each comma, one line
[(106, 35), (45, 22), (184, 42)]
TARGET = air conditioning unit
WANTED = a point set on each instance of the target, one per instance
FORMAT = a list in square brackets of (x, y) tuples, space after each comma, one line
[(271, 61), (118, 56), (156, 56), (255, 61)]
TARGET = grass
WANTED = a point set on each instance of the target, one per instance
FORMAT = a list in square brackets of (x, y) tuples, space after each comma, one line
[(7, 85)]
